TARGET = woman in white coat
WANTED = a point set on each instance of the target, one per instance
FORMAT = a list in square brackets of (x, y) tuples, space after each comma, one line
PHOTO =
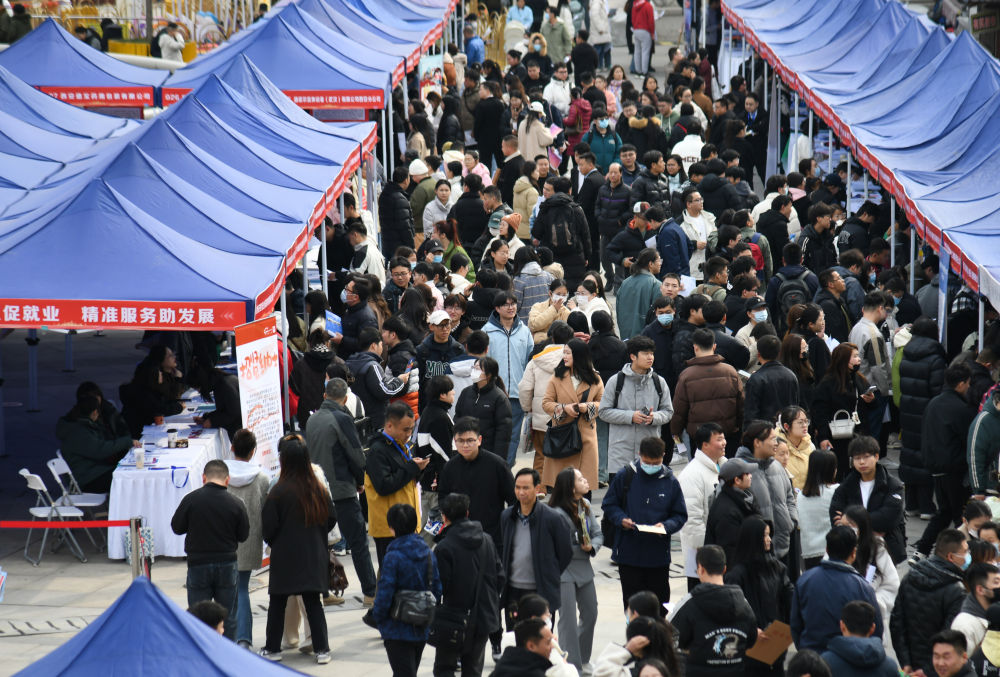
[(588, 301)]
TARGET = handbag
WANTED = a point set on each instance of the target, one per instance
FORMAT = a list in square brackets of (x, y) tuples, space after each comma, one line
[(843, 428), (337, 581), (563, 440), (415, 607), (450, 625)]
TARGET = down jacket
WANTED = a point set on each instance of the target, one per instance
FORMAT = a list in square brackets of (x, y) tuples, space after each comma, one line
[(707, 391), (774, 497), (984, 440), (637, 393), (921, 377), (395, 218), (885, 508), (404, 568), (929, 598), (698, 481), (531, 390)]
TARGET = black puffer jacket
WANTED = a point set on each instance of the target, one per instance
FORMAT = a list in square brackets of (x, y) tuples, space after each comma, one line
[(472, 218), (611, 208), (651, 189), (555, 211), (683, 346), (492, 407), (769, 390), (945, 433), (480, 306), (729, 509), (356, 318), (774, 226), (715, 625), (626, 244), (467, 560), (718, 194), (929, 598), (885, 507), (768, 592), (921, 377), (395, 218), (608, 353)]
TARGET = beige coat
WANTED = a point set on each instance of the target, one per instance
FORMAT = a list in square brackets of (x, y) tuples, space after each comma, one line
[(798, 459), (535, 141), (561, 391), (541, 316), (525, 198), (535, 382)]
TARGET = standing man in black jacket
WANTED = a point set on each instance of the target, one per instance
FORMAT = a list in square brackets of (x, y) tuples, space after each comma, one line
[(469, 212), (772, 387), (488, 128), (395, 215), (830, 297), (214, 522), (651, 186), (471, 580), (816, 239), (562, 227), (357, 316), (586, 197), (611, 210), (943, 444), (509, 170)]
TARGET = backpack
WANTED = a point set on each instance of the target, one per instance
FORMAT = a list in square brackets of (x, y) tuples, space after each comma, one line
[(620, 383), (792, 291), (607, 528), (154, 45), (843, 241), (561, 236)]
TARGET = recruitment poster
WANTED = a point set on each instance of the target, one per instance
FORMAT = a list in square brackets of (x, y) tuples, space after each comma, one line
[(259, 373), (431, 74)]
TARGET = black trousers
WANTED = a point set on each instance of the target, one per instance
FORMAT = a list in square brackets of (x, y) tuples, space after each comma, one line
[(381, 546), (472, 656), (637, 579), (951, 495), (404, 657), (314, 613)]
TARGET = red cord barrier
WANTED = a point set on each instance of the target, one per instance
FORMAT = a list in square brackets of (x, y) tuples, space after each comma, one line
[(59, 524)]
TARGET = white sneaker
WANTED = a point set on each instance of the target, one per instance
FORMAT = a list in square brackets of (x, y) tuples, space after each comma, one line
[(323, 658), (274, 656)]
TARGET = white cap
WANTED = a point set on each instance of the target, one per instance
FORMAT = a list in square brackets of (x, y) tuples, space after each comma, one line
[(437, 317), (418, 168), (537, 107), (453, 156)]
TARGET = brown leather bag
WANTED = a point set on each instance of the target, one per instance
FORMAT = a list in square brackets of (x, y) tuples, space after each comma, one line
[(338, 577)]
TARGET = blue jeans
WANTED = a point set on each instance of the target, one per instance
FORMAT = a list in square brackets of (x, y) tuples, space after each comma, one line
[(603, 55), (352, 526), (216, 581), (517, 418), (244, 617)]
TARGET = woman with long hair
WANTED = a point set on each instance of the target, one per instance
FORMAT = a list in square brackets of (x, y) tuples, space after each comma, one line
[(446, 232), (533, 135), (649, 639), (449, 129), (793, 430), (298, 514), (873, 562), (765, 584), (155, 390), (486, 400), (794, 354), (574, 394), (408, 565), (843, 388), (813, 501), (811, 325), (616, 76), (316, 307), (576, 585), (413, 309), (420, 140), (497, 257), (588, 301), (526, 192), (676, 176)]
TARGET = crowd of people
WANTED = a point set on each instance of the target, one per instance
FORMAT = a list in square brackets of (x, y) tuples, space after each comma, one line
[(581, 273)]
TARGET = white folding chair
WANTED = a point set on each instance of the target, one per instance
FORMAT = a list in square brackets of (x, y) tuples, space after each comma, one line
[(46, 509), (86, 502)]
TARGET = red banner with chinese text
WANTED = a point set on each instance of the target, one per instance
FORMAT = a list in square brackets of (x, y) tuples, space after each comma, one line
[(107, 314)]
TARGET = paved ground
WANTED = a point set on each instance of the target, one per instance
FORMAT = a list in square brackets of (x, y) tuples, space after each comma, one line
[(45, 606)]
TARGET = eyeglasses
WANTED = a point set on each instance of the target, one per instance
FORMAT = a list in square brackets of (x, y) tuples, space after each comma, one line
[(697, 199), (801, 421), (509, 305), (466, 442)]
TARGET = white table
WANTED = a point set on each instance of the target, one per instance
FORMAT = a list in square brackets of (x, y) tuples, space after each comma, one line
[(154, 492)]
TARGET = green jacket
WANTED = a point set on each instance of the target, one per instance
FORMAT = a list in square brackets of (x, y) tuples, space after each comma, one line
[(455, 249), (634, 299), (422, 195), (559, 39), (86, 449)]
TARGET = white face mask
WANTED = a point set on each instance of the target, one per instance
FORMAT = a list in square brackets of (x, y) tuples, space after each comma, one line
[(974, 532), (582, 300), (557, 298), (476, 374)]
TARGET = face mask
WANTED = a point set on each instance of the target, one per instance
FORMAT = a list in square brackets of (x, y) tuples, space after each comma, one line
[(556, 298), (438, 258), (760, 316), (665, 318), (967, 561), (538, 47), (413, 264), (581, 300), (974, 533), (896, 300), (476, 374), (343, 296), (603, 124), (650, 469)]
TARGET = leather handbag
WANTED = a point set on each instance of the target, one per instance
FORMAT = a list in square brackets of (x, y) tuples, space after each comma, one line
[(415, 607), (338, 576), (562, 441)]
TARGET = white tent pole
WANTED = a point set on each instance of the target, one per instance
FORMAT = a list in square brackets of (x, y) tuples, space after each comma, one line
[(829, 156), (982, 329), (892, 232), (284, 356), (849, 184), (913, 259), (392, 146), (766, 78), (811, 128), (385, 142), (793, 152), (323, 273), (704, 20), (866, 185)]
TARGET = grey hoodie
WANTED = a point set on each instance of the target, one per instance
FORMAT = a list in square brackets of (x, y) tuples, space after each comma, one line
[(637, 392), (775, 499), (249, 483)]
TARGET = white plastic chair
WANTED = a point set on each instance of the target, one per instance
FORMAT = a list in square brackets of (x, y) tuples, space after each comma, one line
[(86, 502), (46, 509)]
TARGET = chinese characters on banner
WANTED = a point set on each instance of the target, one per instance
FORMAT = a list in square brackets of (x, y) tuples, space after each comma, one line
[(109, 314), (260, 387)]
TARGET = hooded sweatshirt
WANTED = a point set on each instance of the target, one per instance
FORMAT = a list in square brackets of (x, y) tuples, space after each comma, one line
[(511, 349), (715, 625), (858, 657), (249, 483)]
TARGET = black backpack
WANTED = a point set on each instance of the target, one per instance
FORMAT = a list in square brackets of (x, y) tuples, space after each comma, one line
[(620, 383), (561, 235), (608, 529), (154, 44), (791, 291)]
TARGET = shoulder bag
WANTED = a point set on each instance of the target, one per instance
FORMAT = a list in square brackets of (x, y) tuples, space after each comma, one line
[(415, 607), (563, 440)]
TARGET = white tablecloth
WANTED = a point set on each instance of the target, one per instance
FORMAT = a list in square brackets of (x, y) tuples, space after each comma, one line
[(154, 492)]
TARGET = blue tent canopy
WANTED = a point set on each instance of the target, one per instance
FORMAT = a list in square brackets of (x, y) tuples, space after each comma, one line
[(336, 18), (144, 633), (58, 63), (389, 24)]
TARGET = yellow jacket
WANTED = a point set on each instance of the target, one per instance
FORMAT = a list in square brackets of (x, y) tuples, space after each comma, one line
[(798, 459)]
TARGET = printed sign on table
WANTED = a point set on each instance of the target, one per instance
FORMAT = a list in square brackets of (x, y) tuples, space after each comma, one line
[(258, 369)]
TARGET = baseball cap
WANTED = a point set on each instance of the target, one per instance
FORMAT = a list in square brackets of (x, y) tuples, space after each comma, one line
[(734, 468), (437, 317), (435, 245), (754, 303), (418, 167), (829, 179), (537, 107)]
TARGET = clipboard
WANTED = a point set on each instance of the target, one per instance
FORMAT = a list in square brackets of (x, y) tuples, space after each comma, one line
[(779, 638)]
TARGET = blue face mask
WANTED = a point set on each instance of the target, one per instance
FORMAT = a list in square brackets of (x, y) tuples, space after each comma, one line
[(438, 258), (650, 469), (343, 296), (896, 300), (537, 46), (603, 124), (967, 562), (760, 316), (413, 264), (665, 318)]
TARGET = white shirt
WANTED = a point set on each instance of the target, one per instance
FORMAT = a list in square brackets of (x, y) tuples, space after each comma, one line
[(866, 491), (171, 48)]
